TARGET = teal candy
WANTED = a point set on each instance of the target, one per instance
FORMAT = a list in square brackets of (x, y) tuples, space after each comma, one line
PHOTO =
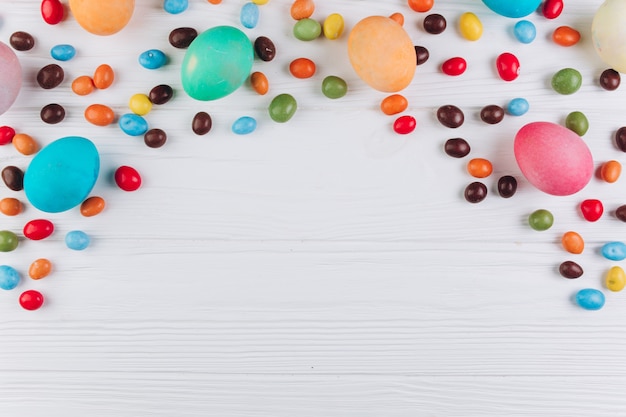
[(62, 174), (513, 8), (217, 63)]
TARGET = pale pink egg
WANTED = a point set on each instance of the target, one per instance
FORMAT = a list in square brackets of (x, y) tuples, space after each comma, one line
[(10, 77)]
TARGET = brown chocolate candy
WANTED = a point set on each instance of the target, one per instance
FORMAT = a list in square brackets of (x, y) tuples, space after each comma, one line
[(492, 114), (182, 37), (450, 116), (155, 138), (507, 186), (50, 76), (435, 24), (475, 192), (570, 270), (161, 94), (264, 48), (22, 41), (13, 178), (202, 123), (52, 113), (457, 147)]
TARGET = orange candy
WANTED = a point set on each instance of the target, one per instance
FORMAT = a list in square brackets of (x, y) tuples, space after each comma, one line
[(302, 68), (82, 85), (10, 206), (40, 268), (398, 17), (215, 1), (573, 242), (92, 206), (302, 9), (99, 115), (479, 168), (103, 77), (421, 5), (394, 104), (259, 82), (610, 171), (25, 144), (565, 36)]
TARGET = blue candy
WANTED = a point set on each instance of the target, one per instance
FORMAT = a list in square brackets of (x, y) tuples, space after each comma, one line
[(9, 277), (133, 125), (77, 240), (244, 125), (590, 299), (175, 6), (249, 15), (517, 106), (152, 59), (525, 31), (614, 251), (63, 52)]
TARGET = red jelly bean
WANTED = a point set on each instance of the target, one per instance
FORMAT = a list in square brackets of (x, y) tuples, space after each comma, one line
[(404, 124), (52, 11), (38, 229), (6, 134), (454, 66), (31, 300), (552, 8), (592, 209), (127, 178), (507, 65)]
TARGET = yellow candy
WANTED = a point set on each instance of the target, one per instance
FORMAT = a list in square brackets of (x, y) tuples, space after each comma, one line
[(616, 279), (470, 26), (333, 26), (260, 2), (140, 104)]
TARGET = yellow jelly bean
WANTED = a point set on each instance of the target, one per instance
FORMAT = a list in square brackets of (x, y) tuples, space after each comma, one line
[(260, 2), (140, 104), (616, 279), (333, 26), (470, 26)]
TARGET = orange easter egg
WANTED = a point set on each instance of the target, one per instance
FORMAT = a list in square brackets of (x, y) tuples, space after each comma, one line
[(102, 17)]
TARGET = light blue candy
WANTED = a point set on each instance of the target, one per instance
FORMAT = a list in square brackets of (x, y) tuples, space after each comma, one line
[(614, 251), (63, 52), (152, 59), (517, 106), (590, 299), (77, 240), (9, 277), (175, 6), (513, 8), (249, 15), (525, 31), (132, 124), (244, 125)]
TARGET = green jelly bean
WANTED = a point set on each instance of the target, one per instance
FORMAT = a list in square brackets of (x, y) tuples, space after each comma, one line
[(282, 108), (541, 220), (334, 87), (567, 81), (8, 241), (577, 122), (307, 29)]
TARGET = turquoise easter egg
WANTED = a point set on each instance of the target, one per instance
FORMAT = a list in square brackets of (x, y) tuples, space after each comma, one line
[(62, 174), (216, 63), (10, 77), (513, 8)]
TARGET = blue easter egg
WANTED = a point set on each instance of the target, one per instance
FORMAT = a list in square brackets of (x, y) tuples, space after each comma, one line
[(513, 8), (63, 52), (152, 59)]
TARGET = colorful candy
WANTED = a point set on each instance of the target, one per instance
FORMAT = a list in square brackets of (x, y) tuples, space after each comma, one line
[(435, 24), (161, 94), (552, 9), (614, 251), (152, 59), (394, 104), (567, 81), (307, 29), (333, 26), (155, 138), (518, 106), (201, 123), (492, 114), (454, 66), (334, 87), (457, 147), (77, 240), (541, 220), (479, 167), (573, 242), (38, 229), (592, 209), (25, 144), (610, 171), (10, 206), (127, 178), (9, 277), (244, 125), (302, 68), (133, 124), (99, 114), (6, 134), (264, 48), (282, 108), (39, 268), (450, 116), (8, 241), (259, 83), (565, 36), (103, 76), (63, 52), (302, 9), (404, 125), (570, 270), (615, 279), (13, 177), (31, 300), (470, 26), (182, 37), (249, 15), (590, 299), (140, 104), (508, 66), (525, 31), (577, 122), (507, 186), (610, 79), (92, 206), (83, 85), (52, 11), (175, 6), (475, 192), (421, 6), (52, 113), (22, 41)]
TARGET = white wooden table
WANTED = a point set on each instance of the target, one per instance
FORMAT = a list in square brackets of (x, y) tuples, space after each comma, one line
[(322, 267)]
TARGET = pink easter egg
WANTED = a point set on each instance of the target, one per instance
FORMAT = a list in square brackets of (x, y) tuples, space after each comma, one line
[(553, 158), (10, 77)]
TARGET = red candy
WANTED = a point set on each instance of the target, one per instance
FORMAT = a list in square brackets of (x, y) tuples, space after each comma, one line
[(404, 125), (552, 8), (592, 209), (507, 65), (6, 134), (52, 11), (38, 229), (31, 300), (454, 66), (127, 178)]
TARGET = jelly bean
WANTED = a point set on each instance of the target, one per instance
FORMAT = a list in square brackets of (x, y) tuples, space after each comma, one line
[(103, 76), (63, 52), (573, 242), (9, 277), (615, 279), (307, 29), (52, 114), (22, 41), (507, 186), (541, 220), (38, 229), (77, 240), (99, 114), (127, 178), (394, 104), (7, 134), (83, 85), (590, 299), (421, 5), (201, 123), (182, 37), (133, 124), (404, 124), (31, 300), (570, 270), (479, 168), (302, 68), (282, 108), (52, 11), (92, 206), (8, 241), (470, 26), (611, 171), (40, 268), (552, 8), (518, 106), (264, 48), (259, 82), (13, 177), (567, 81), (334, 87), (249, 15), (565, 36), (450, 116), (155, 138), (25, 144), (492, 114), (591, 209), (525, 31), (454, 66), (175, 6), (422, 54), (302, 9), (457, 147), (614, 251), (475, 192), (10, 206), (244, 125), (140, 104), (620, 138), (161, 94), (577, 122), (435, 24), (508, 66), (333, 26), (610, 79), (398, 18), (152, 59), (50, 76), (260, 2), (620, 213), (215, 1)]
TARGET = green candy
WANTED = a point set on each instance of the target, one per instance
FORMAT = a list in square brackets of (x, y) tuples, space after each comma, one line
[(307, 29), (334, 87), (8, 241), (577, 122), (567, 81), (541, 220), (282, 108)]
